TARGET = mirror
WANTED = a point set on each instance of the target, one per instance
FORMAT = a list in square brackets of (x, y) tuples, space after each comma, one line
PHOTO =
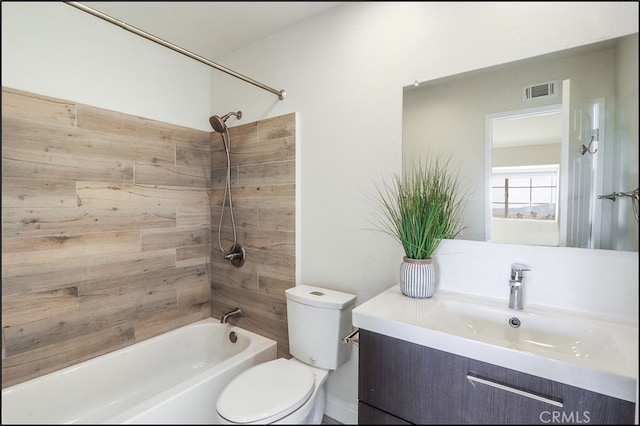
[(540, 143)]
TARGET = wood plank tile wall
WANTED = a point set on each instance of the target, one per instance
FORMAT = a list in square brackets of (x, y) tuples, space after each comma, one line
[(106, 231), (263, 196)]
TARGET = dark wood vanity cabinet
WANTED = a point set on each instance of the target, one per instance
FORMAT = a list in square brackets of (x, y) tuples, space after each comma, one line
[(404, 383)]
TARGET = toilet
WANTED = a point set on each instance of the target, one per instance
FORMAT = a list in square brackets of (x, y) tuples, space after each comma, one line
[(291, 391)]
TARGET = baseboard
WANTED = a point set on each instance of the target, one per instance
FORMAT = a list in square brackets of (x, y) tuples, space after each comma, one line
[(341, 411)]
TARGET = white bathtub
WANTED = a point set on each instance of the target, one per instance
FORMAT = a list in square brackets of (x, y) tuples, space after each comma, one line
[(174, 378)]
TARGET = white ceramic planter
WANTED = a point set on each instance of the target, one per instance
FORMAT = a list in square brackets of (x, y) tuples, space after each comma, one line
[(417, 278)]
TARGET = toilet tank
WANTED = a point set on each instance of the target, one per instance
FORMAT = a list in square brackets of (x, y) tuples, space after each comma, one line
[(318, 319)]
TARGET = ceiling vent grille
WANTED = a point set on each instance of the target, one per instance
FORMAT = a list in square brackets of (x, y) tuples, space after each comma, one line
[(540, 90)]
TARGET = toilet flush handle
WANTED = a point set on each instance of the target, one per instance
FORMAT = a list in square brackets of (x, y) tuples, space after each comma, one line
[(350, 337)]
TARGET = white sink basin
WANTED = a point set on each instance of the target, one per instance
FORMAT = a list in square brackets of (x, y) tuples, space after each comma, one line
[(545, 334), (596, 354)]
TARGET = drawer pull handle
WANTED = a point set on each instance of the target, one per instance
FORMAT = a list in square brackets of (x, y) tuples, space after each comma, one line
[(473, 378)]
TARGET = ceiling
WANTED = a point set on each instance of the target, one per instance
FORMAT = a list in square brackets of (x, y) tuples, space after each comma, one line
[(211, 29), (534, 129)]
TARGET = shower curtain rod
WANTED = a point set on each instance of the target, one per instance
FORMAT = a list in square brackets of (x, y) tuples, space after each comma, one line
[(280, 93)]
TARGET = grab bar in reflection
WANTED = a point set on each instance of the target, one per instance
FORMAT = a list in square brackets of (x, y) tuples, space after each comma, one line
[(634, 195)]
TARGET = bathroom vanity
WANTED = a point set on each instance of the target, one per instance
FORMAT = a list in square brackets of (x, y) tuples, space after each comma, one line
[(460, 359)]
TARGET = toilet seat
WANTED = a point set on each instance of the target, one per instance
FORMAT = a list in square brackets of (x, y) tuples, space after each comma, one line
[(266, 392)]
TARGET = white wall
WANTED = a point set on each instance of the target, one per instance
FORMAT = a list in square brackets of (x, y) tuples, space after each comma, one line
[(57, 50), (343, 73)]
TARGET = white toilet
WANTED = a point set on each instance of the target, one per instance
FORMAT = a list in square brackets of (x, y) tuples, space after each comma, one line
[(291, 391)]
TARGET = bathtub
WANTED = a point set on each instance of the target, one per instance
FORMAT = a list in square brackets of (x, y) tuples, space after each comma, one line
[(173, 378)]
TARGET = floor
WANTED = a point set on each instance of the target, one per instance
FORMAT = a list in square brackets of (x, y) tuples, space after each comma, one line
[(329, 421)]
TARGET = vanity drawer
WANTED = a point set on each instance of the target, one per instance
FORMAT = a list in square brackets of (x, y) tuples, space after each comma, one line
[(423, 385), (368, 415)]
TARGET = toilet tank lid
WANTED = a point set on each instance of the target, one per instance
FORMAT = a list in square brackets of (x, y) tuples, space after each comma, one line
[(320, 297)]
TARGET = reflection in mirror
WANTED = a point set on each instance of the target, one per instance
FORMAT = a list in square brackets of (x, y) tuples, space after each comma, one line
[(539, 141), (524, 177)]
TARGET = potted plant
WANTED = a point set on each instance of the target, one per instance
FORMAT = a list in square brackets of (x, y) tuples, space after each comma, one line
[(419, 211)]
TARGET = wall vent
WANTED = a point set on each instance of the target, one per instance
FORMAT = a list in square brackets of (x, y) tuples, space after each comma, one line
[(540, 90)]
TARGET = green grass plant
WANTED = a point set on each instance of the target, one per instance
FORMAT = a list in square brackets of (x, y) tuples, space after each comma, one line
[(423, 207)]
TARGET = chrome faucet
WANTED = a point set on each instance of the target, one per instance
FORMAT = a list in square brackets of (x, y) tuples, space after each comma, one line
[(515, 284), (234, 311)]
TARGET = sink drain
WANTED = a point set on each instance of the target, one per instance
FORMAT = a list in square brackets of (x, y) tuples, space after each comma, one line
[(514, 322)]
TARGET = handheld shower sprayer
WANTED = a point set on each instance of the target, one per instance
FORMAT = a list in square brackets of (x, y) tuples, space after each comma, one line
[(236, 255)]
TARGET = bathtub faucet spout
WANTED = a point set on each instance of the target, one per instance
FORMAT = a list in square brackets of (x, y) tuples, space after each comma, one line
[(234, 311)]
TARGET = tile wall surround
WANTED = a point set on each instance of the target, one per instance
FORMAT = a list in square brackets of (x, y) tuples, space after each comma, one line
[(109, 230), (105, 231), (263, 196)]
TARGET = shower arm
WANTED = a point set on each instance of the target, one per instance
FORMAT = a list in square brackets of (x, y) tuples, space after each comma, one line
[(280, 93)]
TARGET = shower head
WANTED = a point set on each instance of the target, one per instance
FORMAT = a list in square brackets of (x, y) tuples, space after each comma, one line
[(218, 123)]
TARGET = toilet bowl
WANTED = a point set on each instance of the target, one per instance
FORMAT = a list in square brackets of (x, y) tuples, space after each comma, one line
[(282, 391), (291, 391)]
